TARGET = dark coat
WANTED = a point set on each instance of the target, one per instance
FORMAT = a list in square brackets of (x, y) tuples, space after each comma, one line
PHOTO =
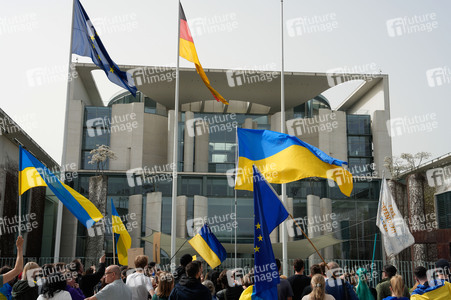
[(190, 289)]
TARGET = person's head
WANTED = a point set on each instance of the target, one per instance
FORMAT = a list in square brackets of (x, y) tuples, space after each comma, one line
[(318, 284), (112, 273), (124, 273), (298, 265), (223, 279), (54, 283), (61, 267), (77, 266), (442, 269), (362, 274), (165, 284), (315, 269), (389, 271), (278, 264), (333, 269), (141, 261), (48, 269), (185, 260), (246, 281), (323, 267), (210, 286), (27, 272), (420, 274), (194, 269), (397, 286)]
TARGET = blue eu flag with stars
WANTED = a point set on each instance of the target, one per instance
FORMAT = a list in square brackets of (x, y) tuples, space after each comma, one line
[(86, 42), (269, 212)]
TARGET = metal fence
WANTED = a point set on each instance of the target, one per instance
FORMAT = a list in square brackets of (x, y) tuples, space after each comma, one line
[(405, 268)]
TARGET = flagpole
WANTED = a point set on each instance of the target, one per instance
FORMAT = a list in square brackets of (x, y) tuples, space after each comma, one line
[(282, 130), (114, 240), (314, 247), (175, 150), (374, 252), (236, 174), (59, 218)]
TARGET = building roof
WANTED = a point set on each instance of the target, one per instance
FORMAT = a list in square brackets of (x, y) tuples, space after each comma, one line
[(158, 83)]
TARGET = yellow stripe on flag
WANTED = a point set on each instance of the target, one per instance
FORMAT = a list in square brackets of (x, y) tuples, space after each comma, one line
[(199, 244)]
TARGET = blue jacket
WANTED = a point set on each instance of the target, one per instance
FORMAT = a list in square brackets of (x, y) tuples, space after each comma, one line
[(188, 289), (335, 288), (438, 291)]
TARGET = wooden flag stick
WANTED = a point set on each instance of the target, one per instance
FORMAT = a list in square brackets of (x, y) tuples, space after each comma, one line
[(308, 240)]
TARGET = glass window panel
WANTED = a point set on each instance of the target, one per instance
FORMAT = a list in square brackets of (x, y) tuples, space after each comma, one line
[(191, 186)]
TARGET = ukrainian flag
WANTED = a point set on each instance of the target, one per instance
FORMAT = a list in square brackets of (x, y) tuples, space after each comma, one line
[(283, 158), (33, 173), (208, 246), (122, 238)]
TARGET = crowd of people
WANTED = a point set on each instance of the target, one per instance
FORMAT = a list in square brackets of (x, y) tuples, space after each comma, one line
[(146, 280)]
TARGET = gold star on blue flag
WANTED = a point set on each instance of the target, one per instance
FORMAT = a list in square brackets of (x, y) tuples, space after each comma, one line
[(269, 212), (86, 42)]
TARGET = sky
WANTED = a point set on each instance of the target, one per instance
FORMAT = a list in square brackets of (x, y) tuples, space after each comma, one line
[(408, 40)]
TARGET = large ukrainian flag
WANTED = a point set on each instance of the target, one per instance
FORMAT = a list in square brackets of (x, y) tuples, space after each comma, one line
[(33, 173), (122, 238), (282, 158), (208, 246)]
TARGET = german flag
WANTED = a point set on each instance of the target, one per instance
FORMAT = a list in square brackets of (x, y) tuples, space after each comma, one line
[(188, 52)]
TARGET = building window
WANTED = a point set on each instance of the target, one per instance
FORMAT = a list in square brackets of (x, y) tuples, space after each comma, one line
[(444, 210), (96, 132)]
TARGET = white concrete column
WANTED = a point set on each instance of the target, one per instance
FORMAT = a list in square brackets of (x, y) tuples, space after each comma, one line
[(135, 204), (275, 122), (171, 116), (69, 234), (333, 139), (200, 206), (313, 210), (188, 145), (248, 123), (181, 216), (381, 141), (326, 211), (202, 145), (153, 218)]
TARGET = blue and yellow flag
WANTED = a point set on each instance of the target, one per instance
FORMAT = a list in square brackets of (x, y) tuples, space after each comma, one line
[(33, 173), (284, 158), (269, 212), (122, 238), (86, 42), (208, 246)]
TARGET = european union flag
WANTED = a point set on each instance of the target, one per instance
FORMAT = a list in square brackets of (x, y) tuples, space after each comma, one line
[(86, 42), (269, 212)]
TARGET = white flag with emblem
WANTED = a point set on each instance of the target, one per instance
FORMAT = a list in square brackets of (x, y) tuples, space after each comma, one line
[(394, 229)]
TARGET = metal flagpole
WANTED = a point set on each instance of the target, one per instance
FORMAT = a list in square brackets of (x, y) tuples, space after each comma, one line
[(114, 241), (175, 151), (282, 130), (68, 97), (236, 174)]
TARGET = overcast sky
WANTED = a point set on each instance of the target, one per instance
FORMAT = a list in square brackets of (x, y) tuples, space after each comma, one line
[(408, 40)]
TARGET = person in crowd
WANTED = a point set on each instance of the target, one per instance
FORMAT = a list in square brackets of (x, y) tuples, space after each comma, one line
[(228, 292), (87, 282), (115, 289), (314, 269), (46, 270), (337, 287), (383, 288), (443, 270), (7, 277), (435, 289), (189, 286), (246, 281), (26, 288), (298, 281), (102, 284), (211, 287), (165, 285), (5, 290), (351, 278), (396, 288), (72, 287), (284, 289), (318, 284), (180, 271), (55, 288), (140, 284), (363, 290), (213, 276)]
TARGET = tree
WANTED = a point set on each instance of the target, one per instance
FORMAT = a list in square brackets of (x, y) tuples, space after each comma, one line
[(406, 162), (100, 156)]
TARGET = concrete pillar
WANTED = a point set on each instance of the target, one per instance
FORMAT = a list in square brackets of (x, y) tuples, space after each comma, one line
[(313, 209), (200, 206), (381, 141), (68, 234), (326, 211), (171, 116), (416, 205), (181, 216), (275, 122), (153, 218), (248, 123), (135, 205), (289, 207), (202, 147), (188, 145), (333, 138)]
